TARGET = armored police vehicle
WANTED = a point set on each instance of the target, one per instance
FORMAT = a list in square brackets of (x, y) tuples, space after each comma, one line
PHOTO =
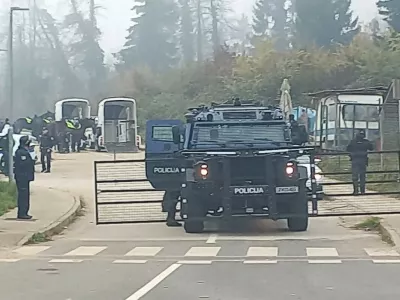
[(230, 161)]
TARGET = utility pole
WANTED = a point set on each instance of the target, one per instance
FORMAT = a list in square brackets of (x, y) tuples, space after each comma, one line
[(32, 48), (11, 60), (11, 91), (3, 83)]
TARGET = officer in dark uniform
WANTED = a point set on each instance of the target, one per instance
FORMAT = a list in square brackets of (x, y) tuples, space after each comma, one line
[(46, 144), (24, 173), (358, 149)]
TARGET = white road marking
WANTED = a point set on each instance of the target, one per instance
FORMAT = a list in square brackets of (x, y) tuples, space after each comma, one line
[(322, 252), (203, 251), (129, 261), (31, 250), (8, 260), (386, 261), (262, 251), (85, 251), (249, 262), (60, 261), (212, 239), (381, 252), (153, 283), (195, 262), (144, 251), (324, 261)]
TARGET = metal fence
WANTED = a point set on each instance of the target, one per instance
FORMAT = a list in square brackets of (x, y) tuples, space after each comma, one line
[(382, 185), (124, 195)]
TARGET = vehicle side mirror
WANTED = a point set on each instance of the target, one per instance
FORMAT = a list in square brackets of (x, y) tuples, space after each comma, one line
[(176, 135)]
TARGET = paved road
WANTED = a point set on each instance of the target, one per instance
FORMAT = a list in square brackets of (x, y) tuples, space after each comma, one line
[(247, 261), (296, 278)]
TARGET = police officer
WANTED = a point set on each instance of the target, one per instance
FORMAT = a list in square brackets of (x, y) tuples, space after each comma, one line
[(170, 200), (24, 173), (46, 145), (358, 149)]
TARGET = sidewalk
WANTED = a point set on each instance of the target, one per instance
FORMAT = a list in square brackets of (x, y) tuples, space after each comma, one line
[(368, 204), (51, 209)]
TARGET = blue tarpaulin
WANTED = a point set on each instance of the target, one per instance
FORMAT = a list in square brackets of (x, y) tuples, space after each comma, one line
[(311, 113)]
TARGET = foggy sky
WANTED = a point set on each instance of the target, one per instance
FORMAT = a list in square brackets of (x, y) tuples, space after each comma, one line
[(115, 19)]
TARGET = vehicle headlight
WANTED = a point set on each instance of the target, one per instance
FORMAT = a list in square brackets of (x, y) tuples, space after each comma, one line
[(203, 170), (290, 169), (318, 177)]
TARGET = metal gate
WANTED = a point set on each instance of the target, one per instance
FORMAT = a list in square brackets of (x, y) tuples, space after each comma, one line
[(382, 184), (124, 195)]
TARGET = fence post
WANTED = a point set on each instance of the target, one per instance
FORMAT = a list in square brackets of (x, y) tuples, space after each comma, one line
[(398, 165), (11, 154), (396, 95)]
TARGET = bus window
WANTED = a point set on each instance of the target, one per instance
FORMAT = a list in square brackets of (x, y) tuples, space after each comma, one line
[(332, 112), (360, 113), (348, 112), (373, 113)]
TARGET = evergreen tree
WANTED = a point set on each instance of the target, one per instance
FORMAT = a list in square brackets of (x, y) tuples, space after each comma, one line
[(261, 18), (271, 18), (324, 22), (151, 41), (390, 10), (187, 31)]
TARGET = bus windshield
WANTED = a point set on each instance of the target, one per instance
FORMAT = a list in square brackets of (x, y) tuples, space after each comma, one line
[(366, 113)]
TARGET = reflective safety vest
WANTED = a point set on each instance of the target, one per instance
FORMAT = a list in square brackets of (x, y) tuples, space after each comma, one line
[(28, 120), (70, 124)]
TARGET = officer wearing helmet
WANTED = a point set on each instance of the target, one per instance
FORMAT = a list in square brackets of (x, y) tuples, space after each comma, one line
[(358, 149), (46, 145), (24, 170)]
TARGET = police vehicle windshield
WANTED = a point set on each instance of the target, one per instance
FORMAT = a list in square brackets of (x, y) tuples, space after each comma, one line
[(236, 134)]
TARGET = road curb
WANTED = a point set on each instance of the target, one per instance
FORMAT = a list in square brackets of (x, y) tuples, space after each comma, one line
[(389, 234), (58, 225)]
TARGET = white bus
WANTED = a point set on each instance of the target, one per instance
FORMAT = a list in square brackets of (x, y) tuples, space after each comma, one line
[(116, 129), (340, 115), (71, 108)]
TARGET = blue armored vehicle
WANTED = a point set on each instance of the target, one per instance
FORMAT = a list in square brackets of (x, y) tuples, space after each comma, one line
[(227, 161)]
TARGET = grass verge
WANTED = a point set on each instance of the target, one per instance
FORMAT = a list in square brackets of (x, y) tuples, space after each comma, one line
[(369, 224), (8, 197), (41, 237), (374, 224)]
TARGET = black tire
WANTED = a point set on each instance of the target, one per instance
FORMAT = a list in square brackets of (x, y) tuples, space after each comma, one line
[(299, 208), (194, 226), (298, 223)]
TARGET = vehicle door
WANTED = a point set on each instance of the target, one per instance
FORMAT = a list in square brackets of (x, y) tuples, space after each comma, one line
[(163, 163)]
